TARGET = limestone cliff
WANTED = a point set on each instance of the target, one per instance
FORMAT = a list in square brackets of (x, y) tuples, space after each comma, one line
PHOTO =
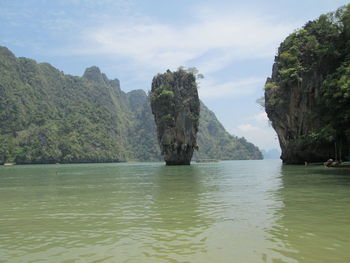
[(291, 109), (175, 105), (308, 94)]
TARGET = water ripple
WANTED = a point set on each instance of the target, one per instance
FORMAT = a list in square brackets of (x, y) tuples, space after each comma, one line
[(238, 211)]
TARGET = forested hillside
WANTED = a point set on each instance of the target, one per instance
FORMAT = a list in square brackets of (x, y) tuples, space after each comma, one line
[(47, 116)]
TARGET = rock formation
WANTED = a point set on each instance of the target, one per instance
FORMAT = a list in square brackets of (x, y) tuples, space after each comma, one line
[(308, 94), (47, 116), (175, 105), (291, 110)]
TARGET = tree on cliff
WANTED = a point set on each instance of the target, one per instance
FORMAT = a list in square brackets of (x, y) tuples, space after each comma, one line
[(175, 105), (48, 117), (308, 95)]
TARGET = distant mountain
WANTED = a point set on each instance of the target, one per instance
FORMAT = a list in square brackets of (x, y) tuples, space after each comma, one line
[(271, 154), (216, 143), (47, 116)]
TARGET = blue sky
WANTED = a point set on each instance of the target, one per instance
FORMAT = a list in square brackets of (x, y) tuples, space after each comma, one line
[(232, 43)]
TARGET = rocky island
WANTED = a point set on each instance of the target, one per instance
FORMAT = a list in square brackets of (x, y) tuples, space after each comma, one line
[(307, 97), (176, 106)]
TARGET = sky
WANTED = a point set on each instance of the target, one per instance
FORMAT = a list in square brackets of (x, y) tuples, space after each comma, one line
[(232, 43)]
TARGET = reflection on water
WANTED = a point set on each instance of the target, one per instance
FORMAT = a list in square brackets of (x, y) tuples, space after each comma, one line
[(237, 211), (314, 220), (180, 220)]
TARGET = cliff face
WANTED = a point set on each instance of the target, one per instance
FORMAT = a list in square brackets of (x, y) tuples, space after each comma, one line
[(292, 111), (307, 96), (175, 105)]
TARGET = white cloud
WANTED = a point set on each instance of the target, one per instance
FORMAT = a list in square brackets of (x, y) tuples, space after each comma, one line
[(261, 118), (211, 39), (263, 137), (258, 131), (248, 128), (159, 46), (210, 89)]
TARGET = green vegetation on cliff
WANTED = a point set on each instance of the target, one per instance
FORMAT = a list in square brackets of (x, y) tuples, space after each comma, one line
[(47, 117), (176, 108), (216, 143), (307, 97)]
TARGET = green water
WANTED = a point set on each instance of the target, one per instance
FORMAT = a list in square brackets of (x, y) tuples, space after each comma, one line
[(237, 211)]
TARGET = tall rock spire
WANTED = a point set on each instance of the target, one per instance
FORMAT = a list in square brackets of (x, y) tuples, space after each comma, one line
[(175, 105)]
